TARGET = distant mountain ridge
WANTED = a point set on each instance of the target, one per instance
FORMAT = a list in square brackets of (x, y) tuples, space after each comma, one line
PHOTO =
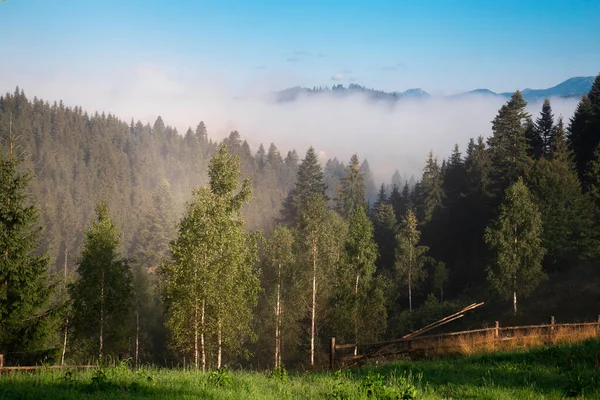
[(572, 87)]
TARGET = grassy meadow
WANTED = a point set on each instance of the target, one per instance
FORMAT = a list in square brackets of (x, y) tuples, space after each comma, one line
[(556, 372)]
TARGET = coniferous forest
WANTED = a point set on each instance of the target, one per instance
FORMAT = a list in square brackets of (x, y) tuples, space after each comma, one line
[(121, 240)]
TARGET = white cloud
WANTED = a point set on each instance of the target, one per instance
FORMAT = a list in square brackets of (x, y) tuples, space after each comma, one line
[(390, 137), (337, 77)]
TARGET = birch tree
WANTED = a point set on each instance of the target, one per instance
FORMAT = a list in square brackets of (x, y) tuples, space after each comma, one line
[(210, 285), (278, 263), (515, 238), (410, 257)]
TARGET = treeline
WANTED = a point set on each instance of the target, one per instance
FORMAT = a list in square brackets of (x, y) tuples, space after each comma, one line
[(200, 285)]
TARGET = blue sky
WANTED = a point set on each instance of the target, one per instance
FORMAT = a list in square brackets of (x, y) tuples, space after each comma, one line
[(440, 46)]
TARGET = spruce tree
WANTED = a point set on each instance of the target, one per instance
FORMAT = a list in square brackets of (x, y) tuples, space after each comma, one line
[(384, 223), (370, 188), (28, 314), (535, 142), (544, 127), (583, 131), (351, 192), (360, 254), (558, 147), (309, 181), (103, 294), (431, 188), (515, 239), (567, 214), (508, 144)]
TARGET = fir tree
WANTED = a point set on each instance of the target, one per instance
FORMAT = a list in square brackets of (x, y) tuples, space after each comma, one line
[(431, 188), (384, 222), (567, 214), (29, 317), (516, 241), (309, 181), (351, 192), (583, 131), (559, 148), (370, 188), (361, 254), (103, 295), (508, 144), (544, 127), (535, 142)]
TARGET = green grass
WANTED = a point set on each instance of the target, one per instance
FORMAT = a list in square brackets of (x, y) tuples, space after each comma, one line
[(547, 373)]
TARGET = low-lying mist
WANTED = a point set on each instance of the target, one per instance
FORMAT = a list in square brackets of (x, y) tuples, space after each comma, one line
[(390, 137)]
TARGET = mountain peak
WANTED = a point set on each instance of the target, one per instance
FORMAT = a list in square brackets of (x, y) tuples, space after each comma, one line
[(572, 87)]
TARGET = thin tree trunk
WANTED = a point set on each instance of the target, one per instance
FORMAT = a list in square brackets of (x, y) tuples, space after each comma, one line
[(442, 294), (356, 315), (410, 265), (277, 318), (64, 350), (515, 274), (101, 317), (515, 294), (314, 304), (196, 358), (137, 337), (220, 342), (202, 340)]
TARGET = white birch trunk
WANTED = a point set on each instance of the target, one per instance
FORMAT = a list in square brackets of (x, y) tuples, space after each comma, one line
[(101, 317), (220, 342), (277, 319), (314, 304), (202, 340)]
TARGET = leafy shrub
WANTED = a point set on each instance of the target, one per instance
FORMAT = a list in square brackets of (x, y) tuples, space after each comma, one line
[(220, 377), (280, 374)]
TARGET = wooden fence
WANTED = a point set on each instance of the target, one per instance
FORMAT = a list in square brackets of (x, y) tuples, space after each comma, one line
[(38, 367), (464, 342)]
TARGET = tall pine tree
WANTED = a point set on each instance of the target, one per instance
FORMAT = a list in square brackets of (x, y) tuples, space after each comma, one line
[(29, 317)]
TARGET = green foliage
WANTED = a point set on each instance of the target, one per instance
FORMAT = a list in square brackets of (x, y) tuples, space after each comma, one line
[(583, 131), (103, 294), (220, 378), (567, 214), (516, 240), (29, 312), (410, 257), (309, 182), (210, 285), (544, 129), (351, 192), (431, 190), (441, 276), (508, 143)]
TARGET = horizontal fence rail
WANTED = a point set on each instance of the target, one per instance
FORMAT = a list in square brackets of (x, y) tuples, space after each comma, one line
[(492, 338)]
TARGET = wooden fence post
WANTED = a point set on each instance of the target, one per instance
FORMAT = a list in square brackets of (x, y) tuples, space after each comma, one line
[(552, 328), (598, 326), (497, 330), (332, 353), (1, 363)]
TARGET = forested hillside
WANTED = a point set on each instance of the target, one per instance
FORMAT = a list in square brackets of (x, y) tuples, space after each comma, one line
[(155, 236)]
